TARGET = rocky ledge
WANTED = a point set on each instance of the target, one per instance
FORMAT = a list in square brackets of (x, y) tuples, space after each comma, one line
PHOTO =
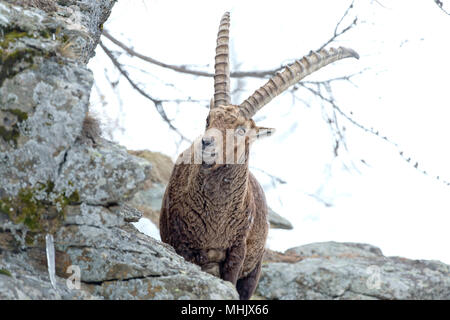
[(100, 255), (349, 271)]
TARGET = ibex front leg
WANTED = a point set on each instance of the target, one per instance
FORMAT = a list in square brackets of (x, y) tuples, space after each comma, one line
[(233, 262)]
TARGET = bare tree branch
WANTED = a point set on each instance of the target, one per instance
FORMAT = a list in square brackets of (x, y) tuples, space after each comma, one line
[(235, 74), (319, 199), (336, 34), (274, 179), (157, 103), (183, 69), (440, 4), (341, 78), (372, 131)]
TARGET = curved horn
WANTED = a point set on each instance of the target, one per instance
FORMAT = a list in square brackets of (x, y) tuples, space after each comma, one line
[(222, 64), (292, 74)]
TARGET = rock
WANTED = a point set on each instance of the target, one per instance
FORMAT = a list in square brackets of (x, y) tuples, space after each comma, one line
[(102, 175), (114, 259), (275, 256), (278, 222), (149, 198), (79, 24), (118, 262), (44, 88), (333, 270), (163, 165), (179, 286), (20, 280), (336, 249)]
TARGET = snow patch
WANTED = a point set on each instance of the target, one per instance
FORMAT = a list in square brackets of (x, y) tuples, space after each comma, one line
[(148, 228)]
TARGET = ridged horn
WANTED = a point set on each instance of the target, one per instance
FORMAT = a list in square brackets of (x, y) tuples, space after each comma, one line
[(222, 64), (292, 74)]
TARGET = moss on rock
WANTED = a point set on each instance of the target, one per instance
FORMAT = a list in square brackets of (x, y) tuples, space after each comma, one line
[(21, 116), (12, 134), (11, 63), (27, 209), (24, 208), (10, 36), (5, 272)]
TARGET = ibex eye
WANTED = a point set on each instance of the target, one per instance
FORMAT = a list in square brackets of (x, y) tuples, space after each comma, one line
[(240, 131)]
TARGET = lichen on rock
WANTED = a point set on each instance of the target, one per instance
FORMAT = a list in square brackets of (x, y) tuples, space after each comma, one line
[(351, 271)]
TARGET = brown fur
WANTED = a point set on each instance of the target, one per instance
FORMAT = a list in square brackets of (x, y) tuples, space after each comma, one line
[(216, 216), (91, 131)]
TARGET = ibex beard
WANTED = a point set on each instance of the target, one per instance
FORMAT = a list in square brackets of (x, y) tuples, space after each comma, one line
[(214, 212)]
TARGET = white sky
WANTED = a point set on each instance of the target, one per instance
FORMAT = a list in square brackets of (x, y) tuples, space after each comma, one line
[(403, 94)]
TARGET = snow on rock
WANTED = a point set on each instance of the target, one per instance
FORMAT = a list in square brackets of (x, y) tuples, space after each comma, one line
[(148, 228)]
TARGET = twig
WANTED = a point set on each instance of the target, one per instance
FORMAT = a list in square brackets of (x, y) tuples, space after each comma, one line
[(374, 132), (341, 78), (440, 4), (319, 199), (336, 34), (274, 178), (183, 69)]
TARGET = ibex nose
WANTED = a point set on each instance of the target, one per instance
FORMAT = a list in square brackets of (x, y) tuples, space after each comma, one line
[(206, 141)]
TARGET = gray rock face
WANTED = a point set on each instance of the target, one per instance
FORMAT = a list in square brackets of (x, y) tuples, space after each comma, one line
[(177, 286), (336, 249), (278, 222), (148, 199), (51, 181), (101, 175), (44, 88), (114, 260), (121, 263), (44, 97), (332, 270)]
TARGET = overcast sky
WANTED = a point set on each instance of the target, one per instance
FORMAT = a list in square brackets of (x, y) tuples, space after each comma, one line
[(372, 195)]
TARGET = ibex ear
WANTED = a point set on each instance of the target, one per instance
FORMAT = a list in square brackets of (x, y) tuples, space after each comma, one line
[(262, 132), (211, 104)]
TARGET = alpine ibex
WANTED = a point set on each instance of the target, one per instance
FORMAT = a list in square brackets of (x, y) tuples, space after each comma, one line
[(214, 211)]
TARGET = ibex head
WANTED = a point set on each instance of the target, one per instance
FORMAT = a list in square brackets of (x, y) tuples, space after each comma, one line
[(229, 128)]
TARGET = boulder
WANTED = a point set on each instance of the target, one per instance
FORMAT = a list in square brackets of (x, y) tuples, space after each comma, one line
[(114, 260), (118, 262), (278, 222), (348, 271), (149, 198)]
